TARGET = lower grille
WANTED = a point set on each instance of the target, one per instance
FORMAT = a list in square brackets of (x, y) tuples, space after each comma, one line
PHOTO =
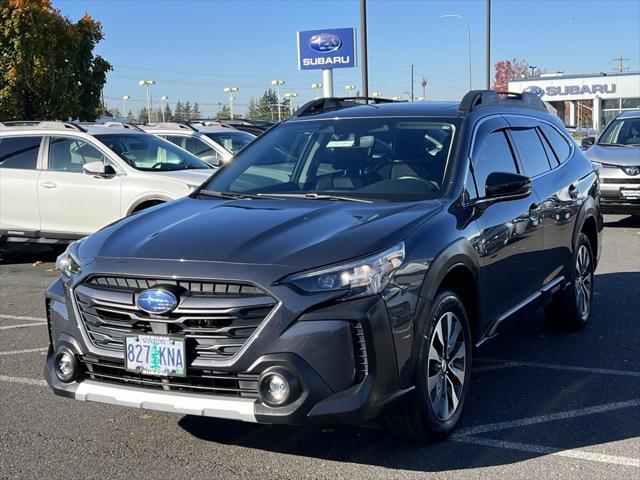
[(622, 181), (202, 381), (360, 351)]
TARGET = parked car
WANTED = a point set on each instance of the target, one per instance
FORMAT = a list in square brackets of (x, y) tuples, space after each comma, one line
[(209, 141), (345, 264), (62, 181), (256, 127), (617, 153)]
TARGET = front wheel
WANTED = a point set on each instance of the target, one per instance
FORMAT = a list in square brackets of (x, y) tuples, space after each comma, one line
[(572, 307), (443, 374)]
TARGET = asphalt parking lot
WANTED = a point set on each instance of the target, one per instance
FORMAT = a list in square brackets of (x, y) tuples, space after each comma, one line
[(544, 404)]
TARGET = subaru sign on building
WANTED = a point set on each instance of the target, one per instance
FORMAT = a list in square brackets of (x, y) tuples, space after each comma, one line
[(324, 49)]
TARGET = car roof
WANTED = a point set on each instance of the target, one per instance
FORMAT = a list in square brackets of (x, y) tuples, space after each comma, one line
[(630, 114), (391, 109), (58, 127)]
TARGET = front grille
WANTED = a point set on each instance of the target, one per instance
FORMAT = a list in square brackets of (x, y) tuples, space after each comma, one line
[(622, 181), (204, 381), (215, 318), (360, 351)]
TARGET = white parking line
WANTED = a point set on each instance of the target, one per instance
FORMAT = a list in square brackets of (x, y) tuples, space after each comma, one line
[(23, 325), (28, 350), (27, 381), (497, 366), (554, 366), (20, 317), (572, 453), (523, 422)]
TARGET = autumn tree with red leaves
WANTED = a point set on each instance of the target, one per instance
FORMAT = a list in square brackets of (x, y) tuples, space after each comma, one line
[(510, 69)]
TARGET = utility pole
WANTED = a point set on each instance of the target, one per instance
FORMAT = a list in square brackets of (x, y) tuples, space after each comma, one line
[(317, 86), (290, 96), (488, 47), (412, 82), (164, 99), (363, 41), (231, 91), (424, 87), (621, 68), (124, 107)]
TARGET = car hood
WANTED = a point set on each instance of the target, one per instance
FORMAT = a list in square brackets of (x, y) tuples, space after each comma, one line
[(191, 177), (297, 233), (622, 156)]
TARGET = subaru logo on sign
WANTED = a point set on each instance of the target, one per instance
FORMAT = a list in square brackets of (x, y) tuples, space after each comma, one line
[(539, 91), (157, 301), (325, 42)]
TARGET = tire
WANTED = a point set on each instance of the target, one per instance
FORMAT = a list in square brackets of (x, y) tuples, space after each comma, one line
[(571, 308), (432, 413)]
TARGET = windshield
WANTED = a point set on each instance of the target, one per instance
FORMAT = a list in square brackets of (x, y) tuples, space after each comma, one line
[(622, 131), (375, 158), (232, 141), (150, 153)]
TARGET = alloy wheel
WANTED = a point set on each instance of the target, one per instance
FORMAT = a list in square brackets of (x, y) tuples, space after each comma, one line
[(583, 282), (446, 366)]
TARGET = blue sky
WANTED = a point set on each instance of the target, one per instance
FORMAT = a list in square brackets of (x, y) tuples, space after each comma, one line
[(193, 49)]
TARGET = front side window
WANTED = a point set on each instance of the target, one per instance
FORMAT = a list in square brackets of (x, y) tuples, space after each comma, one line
[(232, 141), (622, 132), (149, 153), (493, 155), (70, 154), (376, 158), (531, 151), (19, 152)]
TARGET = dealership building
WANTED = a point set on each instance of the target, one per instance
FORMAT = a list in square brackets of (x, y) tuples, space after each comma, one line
[(584, 100)]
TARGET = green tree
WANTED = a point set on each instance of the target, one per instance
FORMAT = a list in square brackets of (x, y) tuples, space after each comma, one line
[(187, 111), (195, 111), (143, 115), (266, 107), (179, 111), (224, 112), (47, 66)]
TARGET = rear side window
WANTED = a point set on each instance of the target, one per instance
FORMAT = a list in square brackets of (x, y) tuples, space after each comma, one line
[(531, 152), (19, 152), (493, 155), (558, 143)]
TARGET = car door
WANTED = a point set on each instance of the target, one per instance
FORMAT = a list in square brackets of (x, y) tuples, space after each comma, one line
[(510, 239), (71, 201), (555, 185), (20, 160)]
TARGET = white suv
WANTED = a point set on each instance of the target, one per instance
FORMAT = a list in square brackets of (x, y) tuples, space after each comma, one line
[(209, 141), (60, 181)]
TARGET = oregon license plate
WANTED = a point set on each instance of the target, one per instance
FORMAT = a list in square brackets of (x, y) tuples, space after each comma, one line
[(155, 355), (630, 193)]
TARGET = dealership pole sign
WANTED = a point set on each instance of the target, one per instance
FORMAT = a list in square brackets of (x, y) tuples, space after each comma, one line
[(324, 49)]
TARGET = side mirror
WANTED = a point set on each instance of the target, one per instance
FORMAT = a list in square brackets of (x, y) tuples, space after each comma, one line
[(507, 186), (587, 142), (94, 168)]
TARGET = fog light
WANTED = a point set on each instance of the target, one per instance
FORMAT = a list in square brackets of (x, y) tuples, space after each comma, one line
[(65, 366), (274, 389)]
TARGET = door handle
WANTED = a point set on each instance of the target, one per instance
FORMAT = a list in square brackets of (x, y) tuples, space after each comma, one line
[(48, 185), (534, 212)]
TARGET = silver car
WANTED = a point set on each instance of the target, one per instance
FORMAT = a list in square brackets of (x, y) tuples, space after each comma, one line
[(617, 151)]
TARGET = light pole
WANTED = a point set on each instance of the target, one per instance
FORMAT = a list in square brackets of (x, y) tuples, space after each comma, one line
[(278, 84), (148, 84), (350, 89), (317, 86), (290, 96), (396, 98), (124, 106), (532, 68), (231, 91), (376, 94), (164, 99), (424, 87), (460, 17), (421, 99)]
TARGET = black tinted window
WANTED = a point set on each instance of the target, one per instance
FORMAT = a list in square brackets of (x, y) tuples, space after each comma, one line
[(559, 144), (493, 155), (19, 152), (532, 155)]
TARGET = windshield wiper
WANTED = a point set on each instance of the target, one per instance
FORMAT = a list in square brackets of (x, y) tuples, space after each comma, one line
[(314, 196), (228, 195)]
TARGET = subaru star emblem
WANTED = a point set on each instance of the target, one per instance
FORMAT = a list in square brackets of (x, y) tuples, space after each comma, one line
[(325, 42), (539, 91), (632, 170), (157, 301)]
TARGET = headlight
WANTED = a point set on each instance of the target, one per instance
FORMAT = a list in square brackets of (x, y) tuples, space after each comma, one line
[(360, 278), (69, 262)]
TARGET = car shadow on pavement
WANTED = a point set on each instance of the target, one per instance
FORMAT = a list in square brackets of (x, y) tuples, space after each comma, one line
[(616, 221), (21, 253), (499, 395)]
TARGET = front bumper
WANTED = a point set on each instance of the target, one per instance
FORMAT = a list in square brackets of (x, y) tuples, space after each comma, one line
[(615, 186), (314, 344)]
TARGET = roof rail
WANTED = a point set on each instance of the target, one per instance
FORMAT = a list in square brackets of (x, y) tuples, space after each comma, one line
[(57, 125), (122, 125), (328, 104), (169, 125), (487, 98), (19, 123), (207, 123)]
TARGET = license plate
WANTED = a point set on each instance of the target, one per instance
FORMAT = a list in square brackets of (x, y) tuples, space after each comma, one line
[(159, 355), (631, 193)]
